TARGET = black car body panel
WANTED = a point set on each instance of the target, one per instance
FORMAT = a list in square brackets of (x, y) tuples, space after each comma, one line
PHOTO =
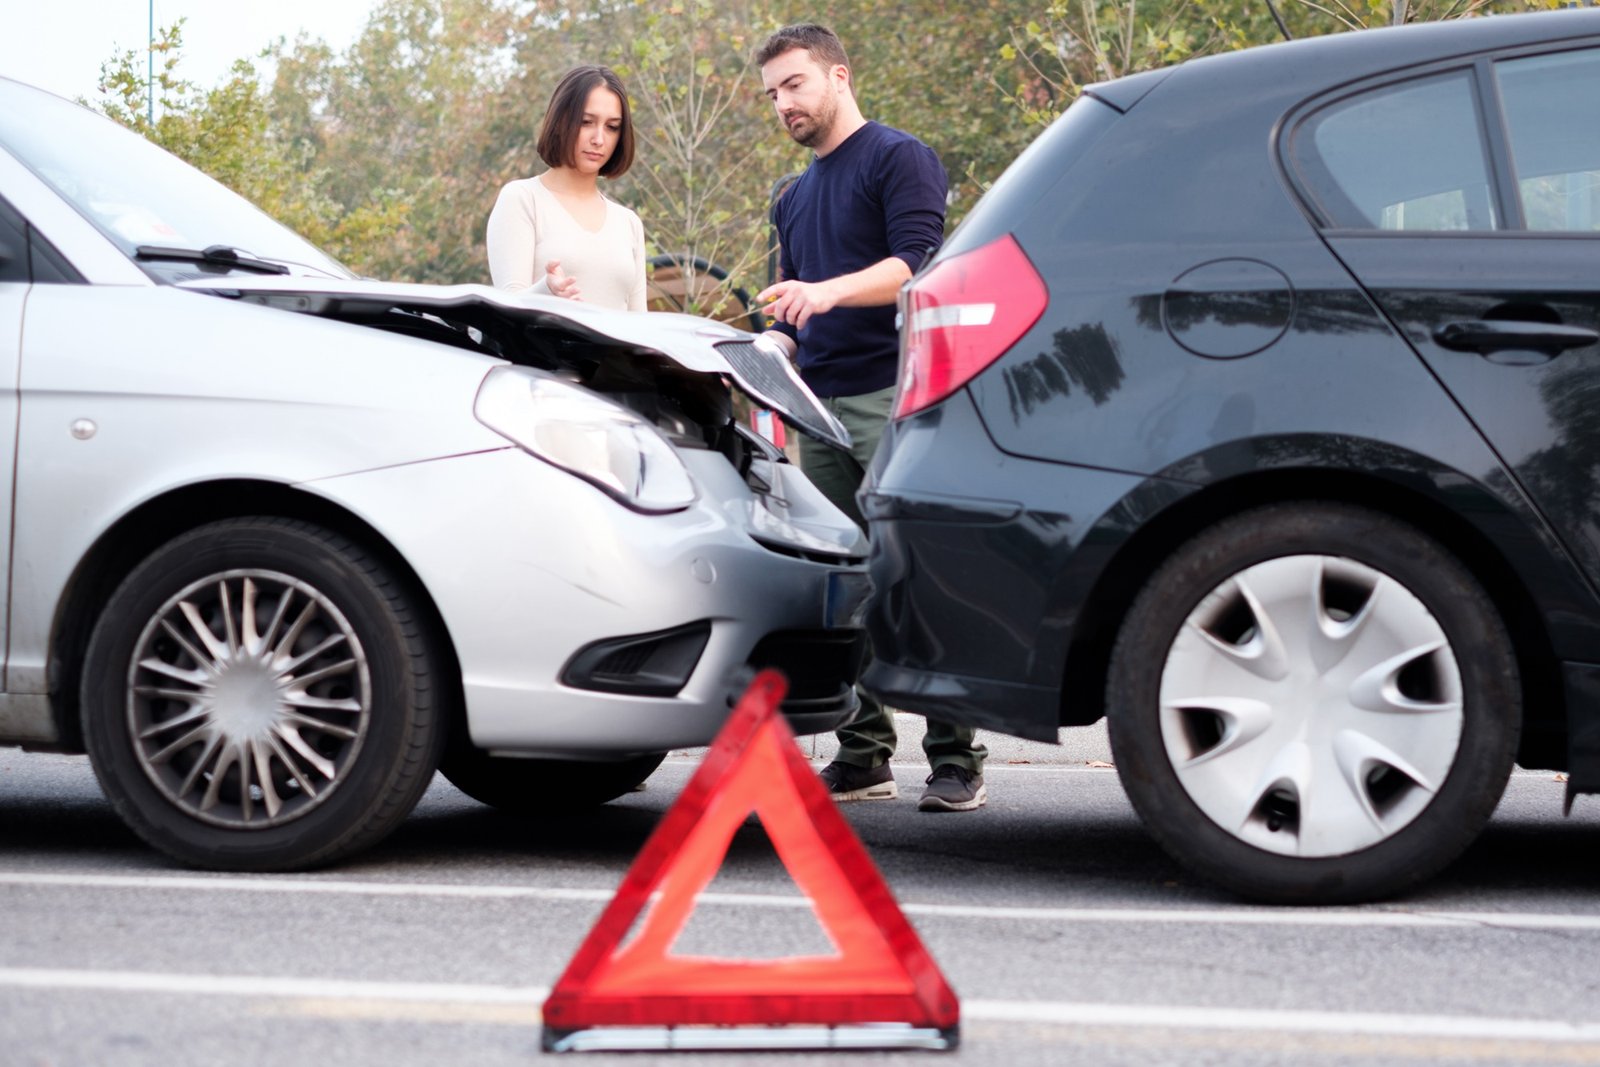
[(1207, 347), (986, 643), (1123, 93)]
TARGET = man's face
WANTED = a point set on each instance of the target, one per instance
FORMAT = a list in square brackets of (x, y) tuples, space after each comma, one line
[(805, 95)]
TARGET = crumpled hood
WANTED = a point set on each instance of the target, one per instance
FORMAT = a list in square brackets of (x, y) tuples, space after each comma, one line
[(697, 344)]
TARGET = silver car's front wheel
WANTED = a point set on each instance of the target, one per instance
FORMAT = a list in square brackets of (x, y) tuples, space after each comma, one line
[(259, 694), (1313, 703), (249, 698)]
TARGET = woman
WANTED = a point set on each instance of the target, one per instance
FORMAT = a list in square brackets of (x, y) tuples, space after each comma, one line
[(557, 233)]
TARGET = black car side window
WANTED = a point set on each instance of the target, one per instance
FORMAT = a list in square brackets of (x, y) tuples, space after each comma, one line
[(1408, 156), (1549, 105)]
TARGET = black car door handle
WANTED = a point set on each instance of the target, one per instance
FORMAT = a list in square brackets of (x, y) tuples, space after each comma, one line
[(1492, 335)]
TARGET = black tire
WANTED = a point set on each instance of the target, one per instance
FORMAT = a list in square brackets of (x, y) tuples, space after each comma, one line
[(250, 750), (1467, 687), (538, 787)]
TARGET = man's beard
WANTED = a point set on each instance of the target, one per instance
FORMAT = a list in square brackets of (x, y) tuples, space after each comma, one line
[(815, 128)]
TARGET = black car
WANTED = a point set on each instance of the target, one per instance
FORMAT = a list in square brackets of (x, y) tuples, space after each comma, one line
[(1257, 409)]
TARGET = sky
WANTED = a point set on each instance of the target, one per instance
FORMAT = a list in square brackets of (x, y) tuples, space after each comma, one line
[(60, 45)]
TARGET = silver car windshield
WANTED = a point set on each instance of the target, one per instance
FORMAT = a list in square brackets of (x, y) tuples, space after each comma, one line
[(138, 195)]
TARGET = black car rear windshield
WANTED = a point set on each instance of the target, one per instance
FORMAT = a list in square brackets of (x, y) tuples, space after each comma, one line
[(1033, 173)]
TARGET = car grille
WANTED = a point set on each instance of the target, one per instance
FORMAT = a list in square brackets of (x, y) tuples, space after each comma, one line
[(821, 665), (761, 373)]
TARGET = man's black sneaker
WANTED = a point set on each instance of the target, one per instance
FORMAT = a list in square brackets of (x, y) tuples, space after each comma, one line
[(846, 781), (953, 788)]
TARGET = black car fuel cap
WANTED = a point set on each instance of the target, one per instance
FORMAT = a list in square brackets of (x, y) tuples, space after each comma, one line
[(1228, 308)]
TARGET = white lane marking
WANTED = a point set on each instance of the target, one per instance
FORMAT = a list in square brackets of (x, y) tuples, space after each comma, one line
[(1381, 1024), (270, 884), (245, 986), (1170, 1017), (1224, 916), (1284, 917)]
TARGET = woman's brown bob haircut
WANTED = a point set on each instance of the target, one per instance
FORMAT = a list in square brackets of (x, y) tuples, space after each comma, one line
[(558, 134)]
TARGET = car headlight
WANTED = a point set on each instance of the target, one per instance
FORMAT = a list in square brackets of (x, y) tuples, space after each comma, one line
[(586, 435)]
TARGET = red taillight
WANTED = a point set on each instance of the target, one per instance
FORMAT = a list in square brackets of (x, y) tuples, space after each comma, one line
[(962, 316)]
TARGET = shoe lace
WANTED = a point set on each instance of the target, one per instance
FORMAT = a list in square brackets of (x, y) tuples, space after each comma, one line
[(950, 770)]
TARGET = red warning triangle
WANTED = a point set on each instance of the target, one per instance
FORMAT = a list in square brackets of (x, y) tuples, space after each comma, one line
[(881, 972)]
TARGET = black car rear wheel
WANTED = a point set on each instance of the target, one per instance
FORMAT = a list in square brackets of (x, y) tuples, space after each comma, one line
[(257, 695), (1313, 703)]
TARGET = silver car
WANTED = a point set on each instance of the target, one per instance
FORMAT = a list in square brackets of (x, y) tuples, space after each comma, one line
[(282, 541)]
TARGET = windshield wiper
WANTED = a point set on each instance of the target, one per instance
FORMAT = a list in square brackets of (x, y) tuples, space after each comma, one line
[(217, 255)]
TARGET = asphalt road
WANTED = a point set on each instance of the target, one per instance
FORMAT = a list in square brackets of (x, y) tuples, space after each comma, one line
[(1068, 936)]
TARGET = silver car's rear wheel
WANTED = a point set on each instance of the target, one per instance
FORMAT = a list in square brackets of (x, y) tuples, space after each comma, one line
[(1313, 703), (249, 698)]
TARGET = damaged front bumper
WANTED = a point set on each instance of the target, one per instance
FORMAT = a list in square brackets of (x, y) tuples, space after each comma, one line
[(531, 570)]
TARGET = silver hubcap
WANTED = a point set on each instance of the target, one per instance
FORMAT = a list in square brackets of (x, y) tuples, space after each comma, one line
[(248, 698), (1311, 706)]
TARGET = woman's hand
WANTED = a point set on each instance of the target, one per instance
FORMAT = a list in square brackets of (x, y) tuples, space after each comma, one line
[(560, 282)]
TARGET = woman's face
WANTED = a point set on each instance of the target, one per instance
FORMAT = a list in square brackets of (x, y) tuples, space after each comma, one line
[(598, 130)]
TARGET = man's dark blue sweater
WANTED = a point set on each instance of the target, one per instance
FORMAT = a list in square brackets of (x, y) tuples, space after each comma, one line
[(880, 193)]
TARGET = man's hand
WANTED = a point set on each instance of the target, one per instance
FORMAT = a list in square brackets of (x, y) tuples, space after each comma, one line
[(795, 302), (560, 282)]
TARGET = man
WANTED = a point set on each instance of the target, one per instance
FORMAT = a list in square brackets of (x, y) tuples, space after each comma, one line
[(867, 212)]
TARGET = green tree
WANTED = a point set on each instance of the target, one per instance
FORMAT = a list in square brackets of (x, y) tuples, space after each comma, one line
[(406, 117), (229, 133), (390, 152), (705, 158), (931, 69), (1068, 44), (1369, 14), (711, 149)]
